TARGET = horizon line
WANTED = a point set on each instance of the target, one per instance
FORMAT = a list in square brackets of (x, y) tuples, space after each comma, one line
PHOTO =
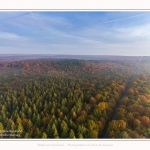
[(82, 55)]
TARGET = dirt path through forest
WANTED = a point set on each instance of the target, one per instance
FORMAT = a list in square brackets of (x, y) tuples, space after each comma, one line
[(105, 134)]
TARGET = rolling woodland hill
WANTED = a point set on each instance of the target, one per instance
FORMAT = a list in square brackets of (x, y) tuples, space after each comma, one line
[(75, 98)]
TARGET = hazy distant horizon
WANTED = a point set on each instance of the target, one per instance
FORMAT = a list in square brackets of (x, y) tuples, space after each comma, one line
[(94, 55), (73, 55), (22, 57)]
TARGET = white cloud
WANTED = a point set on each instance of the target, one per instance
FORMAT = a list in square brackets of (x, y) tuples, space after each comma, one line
[(10, 36), (38, 33)]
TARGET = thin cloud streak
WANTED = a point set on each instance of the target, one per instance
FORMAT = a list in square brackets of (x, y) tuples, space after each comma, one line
[(55, 34), (120, 19), (13, 17)]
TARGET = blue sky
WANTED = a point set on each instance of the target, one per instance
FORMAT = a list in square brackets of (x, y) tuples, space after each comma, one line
[(85, 33)]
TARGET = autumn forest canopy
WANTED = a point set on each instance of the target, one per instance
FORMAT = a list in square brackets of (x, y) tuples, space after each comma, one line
[(69, 97)]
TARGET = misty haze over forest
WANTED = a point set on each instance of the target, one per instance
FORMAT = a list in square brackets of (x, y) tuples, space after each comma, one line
[(74, 96)]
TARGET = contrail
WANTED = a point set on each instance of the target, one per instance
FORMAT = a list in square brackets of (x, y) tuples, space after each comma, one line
[(120, 19), (97, 24), (15, 17), (37, 19), (40, 26)]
